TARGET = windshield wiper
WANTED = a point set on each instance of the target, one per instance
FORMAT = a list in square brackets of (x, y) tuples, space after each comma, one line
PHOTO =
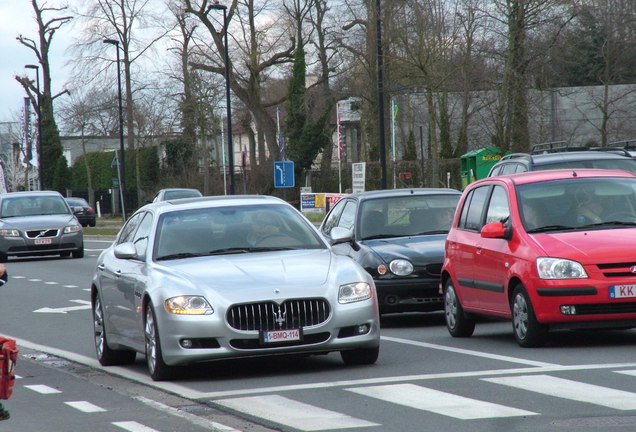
[(232, 250), (179, 256), (432, 232), (381, 236), (612, 223), (550, 228)]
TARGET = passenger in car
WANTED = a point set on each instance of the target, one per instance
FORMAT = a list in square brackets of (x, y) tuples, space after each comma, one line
[(588, 208)]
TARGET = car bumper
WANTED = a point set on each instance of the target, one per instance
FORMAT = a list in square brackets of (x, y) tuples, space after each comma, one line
[(20, 246), (583, 303), (213, 339), (409, 295)]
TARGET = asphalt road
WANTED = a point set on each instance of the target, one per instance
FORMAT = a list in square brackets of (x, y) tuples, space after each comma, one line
[(424, 379)]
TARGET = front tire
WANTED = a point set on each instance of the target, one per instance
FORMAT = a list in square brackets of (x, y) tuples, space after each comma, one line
[(360, 356), (79, 253), (106, 355), (527, 330), (457, 323), (157, 368)]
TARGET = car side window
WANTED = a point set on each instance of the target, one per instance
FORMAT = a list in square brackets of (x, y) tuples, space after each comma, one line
[(521, 168), (471, 216), (498, 208), (128, 230), (334, 215), (495, 171), (348, 216), (510, 168), (140, 239)]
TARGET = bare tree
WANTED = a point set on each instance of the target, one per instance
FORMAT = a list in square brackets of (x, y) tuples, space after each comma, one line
[(42, 98)]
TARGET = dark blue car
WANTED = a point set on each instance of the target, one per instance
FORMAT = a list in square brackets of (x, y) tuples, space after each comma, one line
[(398, 236)]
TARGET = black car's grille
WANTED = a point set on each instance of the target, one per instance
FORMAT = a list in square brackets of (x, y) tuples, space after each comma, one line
[(291, 314), (605, 308), (618, 269), (43, 233), (434, 269)]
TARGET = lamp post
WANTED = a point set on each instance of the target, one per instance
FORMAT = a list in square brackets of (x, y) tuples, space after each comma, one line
[(380, 94), (121, 166), (37, 80), (230, 145)]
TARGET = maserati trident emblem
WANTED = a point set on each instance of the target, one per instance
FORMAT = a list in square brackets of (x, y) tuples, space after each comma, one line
[(280, 317), (632, 269)]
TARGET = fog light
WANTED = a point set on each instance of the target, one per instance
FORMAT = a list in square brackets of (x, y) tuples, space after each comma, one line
[(186, 343), (568, 310), (362, 329)]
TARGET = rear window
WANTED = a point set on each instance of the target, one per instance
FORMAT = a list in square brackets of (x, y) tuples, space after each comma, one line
[(620, 164)]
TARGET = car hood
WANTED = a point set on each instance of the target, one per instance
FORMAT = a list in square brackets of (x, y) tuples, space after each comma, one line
[(293, 273), (589, 247), (418, 249), (38, 221)]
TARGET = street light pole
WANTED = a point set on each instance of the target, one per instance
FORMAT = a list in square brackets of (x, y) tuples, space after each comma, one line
[(121, 166), (37, 80), (230, 145), (380, 94)]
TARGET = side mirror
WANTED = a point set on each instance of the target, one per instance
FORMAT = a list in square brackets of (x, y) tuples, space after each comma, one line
[(496, 230), (340, 235), (125, 251)]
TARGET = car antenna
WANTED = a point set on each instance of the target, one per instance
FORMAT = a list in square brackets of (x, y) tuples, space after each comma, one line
[(574, 174)]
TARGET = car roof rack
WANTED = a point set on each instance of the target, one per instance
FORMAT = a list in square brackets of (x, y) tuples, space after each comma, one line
[(557, 147), (624, 144), (516, 156)]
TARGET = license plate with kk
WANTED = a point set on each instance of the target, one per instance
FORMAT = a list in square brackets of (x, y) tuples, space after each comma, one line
[(622, 291)]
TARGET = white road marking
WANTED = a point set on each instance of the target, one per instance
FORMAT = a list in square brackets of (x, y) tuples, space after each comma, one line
[(568, 389), (439, 402), (627, 372), (292, 413), (467, 352), (51, 283), (35, 280), (42, 389), (84, 406), (133, 426), (63, 310), (71, 286), (18, 277), (208, 424)]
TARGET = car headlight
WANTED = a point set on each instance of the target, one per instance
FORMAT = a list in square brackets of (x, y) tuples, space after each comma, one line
[(9, 233), (559, 268), (72, 229), (188, 305), (354, 292), (401, 267)]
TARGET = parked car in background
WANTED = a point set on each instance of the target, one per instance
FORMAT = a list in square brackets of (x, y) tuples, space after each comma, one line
[(226, 277), (548, 250), (522, 162), (38, 223), (176, 193), (398, 236), (84, 213)]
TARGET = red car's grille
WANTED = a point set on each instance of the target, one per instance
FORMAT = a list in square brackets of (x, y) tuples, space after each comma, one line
[(605, 308), (292, 314), (618, 269)]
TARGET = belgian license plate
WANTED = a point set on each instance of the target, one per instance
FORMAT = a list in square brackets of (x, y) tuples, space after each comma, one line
[(43, 241), (622, 291), (280, 336)]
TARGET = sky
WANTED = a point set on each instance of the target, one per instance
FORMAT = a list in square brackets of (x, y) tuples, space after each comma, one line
[(17, 17)]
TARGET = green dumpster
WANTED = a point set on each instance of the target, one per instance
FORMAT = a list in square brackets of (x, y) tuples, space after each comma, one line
[(476, 164)]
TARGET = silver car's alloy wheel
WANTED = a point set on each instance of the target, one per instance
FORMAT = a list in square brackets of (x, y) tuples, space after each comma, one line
[(98, 326), (151, 341), (520, 316)]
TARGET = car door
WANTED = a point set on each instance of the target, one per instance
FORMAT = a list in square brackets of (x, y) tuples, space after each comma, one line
[(462, 246), (492, 256), (109, 274), (132, 283)]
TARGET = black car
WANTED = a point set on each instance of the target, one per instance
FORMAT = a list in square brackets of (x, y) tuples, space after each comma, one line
[(603, 159), (398, 236), (84, 213)]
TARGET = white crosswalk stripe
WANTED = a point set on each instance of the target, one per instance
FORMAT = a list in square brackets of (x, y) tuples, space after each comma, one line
[(132, 426), (568, 389), (439, 402), (84, 406), (42, 389), (292, 413)]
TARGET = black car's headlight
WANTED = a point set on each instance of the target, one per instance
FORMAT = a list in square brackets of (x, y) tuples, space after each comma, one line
[(354, 292), (188, 305), (72, 229), (401, 267), (9, 233)]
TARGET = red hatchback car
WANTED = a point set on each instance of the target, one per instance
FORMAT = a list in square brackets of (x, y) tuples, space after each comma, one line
[(548, 250)]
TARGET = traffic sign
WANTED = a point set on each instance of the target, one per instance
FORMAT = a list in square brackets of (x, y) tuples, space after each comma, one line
[(284, 174)]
